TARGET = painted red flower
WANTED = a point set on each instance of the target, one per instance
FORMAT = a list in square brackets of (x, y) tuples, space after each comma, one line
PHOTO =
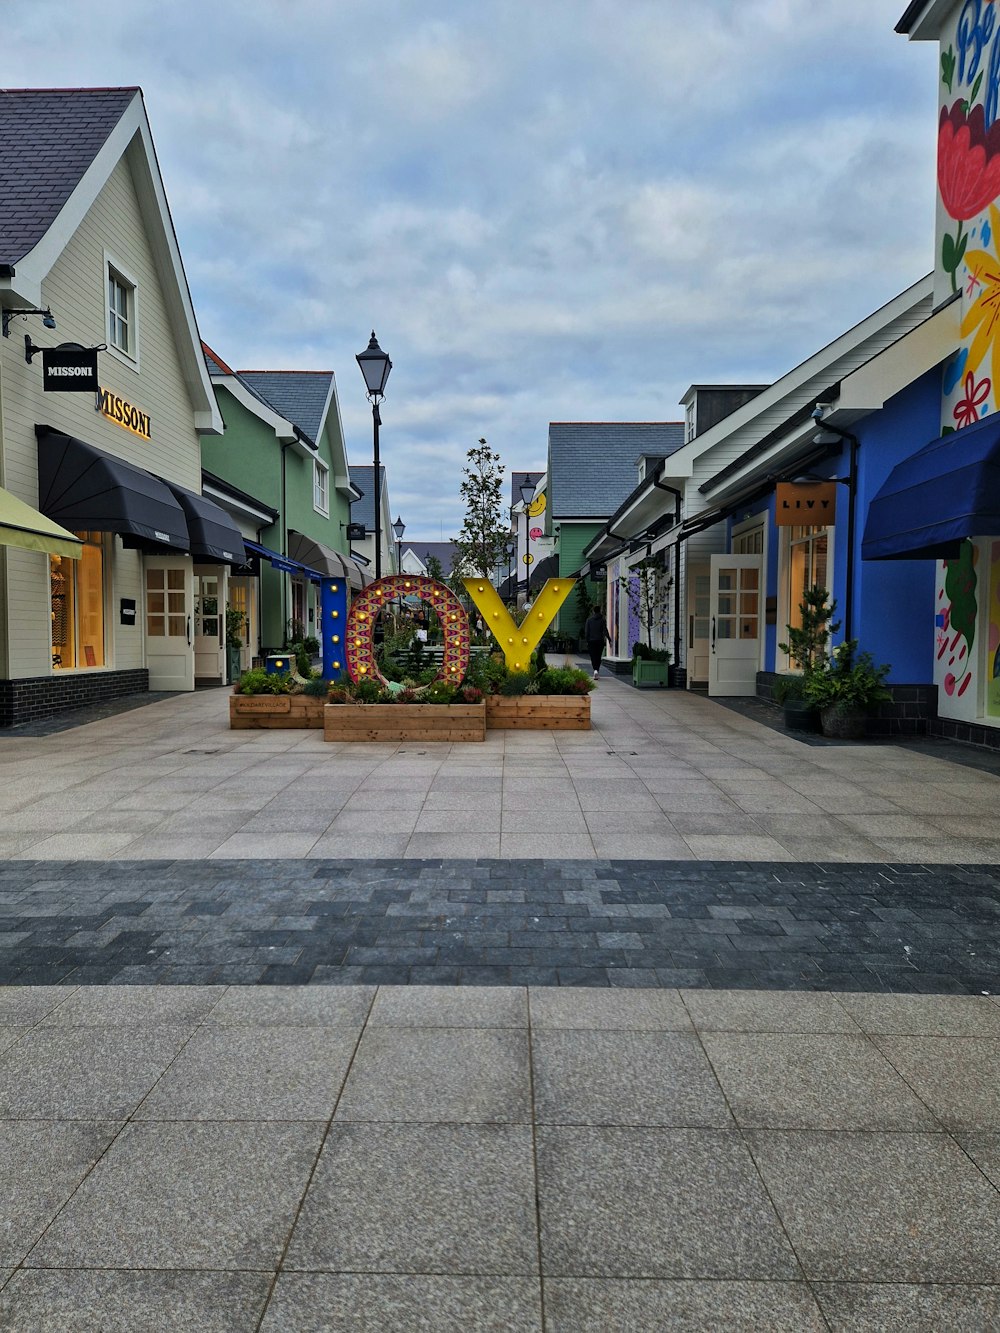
[(968, 161), (967, 409)]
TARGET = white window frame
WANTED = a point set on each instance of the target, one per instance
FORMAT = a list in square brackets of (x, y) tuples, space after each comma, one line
[(321, 488), (689, 423), (121, 275)]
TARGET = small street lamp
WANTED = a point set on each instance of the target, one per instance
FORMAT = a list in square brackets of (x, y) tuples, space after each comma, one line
[(399, 527), (527, 495), (375, 366)]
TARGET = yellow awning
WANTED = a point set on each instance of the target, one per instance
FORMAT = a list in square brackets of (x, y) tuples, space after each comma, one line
[(20, 525)]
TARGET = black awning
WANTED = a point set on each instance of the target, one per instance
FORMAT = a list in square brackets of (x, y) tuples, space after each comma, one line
[(330, 563), (930, 502), (210, 529), (85, 489)]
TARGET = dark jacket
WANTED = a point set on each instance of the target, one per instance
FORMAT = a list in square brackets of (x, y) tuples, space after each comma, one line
[(596, 629)]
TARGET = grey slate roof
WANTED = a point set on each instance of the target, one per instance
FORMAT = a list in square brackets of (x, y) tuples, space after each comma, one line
[(48, 139), (593, 464), (363, 510), (297, 395), (215, 366), (445, 552), (515, 483)]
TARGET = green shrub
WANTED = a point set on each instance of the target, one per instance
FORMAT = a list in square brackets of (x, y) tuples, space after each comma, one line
[(316, 687), (564, 680), (259, 681), (650, 654), (787, 688), (516, 683), (311, 644), (339, 693), (849, 679), (439, 692), (368, 691), (486, 672)]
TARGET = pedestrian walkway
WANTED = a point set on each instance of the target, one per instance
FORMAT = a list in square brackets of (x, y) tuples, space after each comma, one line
[(465, 1160), (664, 775), (723, 1052)]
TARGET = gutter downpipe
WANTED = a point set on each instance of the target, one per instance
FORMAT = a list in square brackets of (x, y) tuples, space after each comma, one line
[(662, 486), (851, 481)]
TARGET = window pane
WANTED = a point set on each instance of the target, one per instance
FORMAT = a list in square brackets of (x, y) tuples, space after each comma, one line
[(175, 578), (175, 602), (748, 578), (724, 628), (177, 626), (155, 627)]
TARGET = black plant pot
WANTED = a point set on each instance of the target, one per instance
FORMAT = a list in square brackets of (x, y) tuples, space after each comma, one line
[(800, 716)]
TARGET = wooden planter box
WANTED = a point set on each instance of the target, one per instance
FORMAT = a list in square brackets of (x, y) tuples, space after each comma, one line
[(249, 711), (404, 722), (538, 712)]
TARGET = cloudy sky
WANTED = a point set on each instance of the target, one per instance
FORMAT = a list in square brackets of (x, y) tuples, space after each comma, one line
[(568, 211)]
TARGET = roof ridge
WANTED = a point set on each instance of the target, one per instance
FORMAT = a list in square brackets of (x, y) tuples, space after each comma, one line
[(209, 351), (284, 372), (111, 88)]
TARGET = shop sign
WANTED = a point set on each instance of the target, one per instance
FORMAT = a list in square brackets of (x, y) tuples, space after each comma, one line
[(123, 413), (69, 369), (812, 503)]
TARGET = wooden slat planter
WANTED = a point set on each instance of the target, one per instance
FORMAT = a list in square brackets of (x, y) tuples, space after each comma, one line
[(261, 711), (538, 712), (405, 722)]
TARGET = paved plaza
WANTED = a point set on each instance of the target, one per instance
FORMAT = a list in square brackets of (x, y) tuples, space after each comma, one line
[(678, 1024)]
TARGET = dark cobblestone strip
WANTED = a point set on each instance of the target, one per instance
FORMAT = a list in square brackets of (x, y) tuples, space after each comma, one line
[(723, 924)]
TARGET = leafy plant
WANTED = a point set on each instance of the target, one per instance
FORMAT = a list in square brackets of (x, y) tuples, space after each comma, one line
[(339, 693), (787, 688), (564, 680), (315, 687), (439, 692), (647, 587), (259, 681), (469, 694), (807, 641), (482, 542), (234, 627), (644, 651), (311, 644), (368, 691), (848, 679), (516, 683)]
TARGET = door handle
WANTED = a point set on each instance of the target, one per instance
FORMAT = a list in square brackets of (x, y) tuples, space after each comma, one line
[(189, 631), (713, 634)]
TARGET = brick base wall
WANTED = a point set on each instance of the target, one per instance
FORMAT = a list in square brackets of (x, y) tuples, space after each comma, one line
[(42, 696), (911, 711), (970, 733)]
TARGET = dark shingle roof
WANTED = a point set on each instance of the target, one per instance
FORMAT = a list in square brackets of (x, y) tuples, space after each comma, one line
[(216, 366), (48, 139), (592, 464), (297, 395), (515, 483), (445, 552), (363, 510)]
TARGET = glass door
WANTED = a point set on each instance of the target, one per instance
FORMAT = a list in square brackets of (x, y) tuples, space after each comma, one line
[(169, 628), (209, 624)]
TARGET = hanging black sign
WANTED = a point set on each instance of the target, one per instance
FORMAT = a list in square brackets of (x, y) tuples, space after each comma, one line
[(356, 532), (69, 369)]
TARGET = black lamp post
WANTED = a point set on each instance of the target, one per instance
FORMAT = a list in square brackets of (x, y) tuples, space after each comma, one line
[(399, 527), (527, 495), (375, 366)]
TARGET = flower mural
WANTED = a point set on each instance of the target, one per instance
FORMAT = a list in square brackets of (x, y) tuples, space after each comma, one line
[(968, 162), (967, 408), (982, 319)]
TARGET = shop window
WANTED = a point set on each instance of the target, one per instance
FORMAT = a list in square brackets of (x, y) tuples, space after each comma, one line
[(321, 488), (808, 565), (77, 606), (166, 603), (698, 625), (122, 311)]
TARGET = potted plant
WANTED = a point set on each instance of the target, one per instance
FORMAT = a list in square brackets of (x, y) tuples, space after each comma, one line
[(845, 689), (234, 644), (807, 649), (647, 587), (650, 666)]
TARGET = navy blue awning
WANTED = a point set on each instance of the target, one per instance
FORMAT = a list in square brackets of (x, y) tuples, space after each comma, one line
[(282, 562), (937, 497)]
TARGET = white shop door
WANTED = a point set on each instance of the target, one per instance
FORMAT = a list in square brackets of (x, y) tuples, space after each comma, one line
[(169, 628), (209, 623), (735, 624)]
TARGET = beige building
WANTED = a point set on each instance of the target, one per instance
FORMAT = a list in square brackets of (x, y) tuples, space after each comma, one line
[(89, 259)]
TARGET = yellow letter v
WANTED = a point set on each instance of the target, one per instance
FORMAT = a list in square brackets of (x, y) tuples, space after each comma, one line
[(518, 641)]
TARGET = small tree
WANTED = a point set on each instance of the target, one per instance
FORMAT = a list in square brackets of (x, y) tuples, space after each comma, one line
[(807, 641), (435, 570), (482, 542), (647, 587)]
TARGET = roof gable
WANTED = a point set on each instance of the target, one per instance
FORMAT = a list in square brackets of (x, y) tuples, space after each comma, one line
[(300, 396), (592, 464)]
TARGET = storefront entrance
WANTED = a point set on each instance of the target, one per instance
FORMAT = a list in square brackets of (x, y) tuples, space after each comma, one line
[(734, 619), (209, 624), (169, 627)]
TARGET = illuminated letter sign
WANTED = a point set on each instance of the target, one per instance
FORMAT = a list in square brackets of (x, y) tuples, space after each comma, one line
[(123, 414), (361, 664), (518, 641), (333, 612)]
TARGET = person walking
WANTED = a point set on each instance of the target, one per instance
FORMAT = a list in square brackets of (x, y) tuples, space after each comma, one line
[(595, 631)]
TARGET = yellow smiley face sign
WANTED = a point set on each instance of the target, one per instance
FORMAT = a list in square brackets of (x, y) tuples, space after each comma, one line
[(537, 505)]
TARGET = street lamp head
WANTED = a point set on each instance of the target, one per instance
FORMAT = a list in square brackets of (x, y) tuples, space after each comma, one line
[(375, 366), (527, 490), (399, 527)]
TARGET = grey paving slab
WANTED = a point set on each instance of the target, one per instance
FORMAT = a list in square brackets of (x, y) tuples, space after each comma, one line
[(21, 1006), (116, 1301), (767, 1011), (881, 1207), (85, 1073), (436, 1006), (96, 1006), (925, 1015), (186, 1195), (429, 1199), (664, 1203), (392, 1303), (639, 1011), (958, 1077), (286, 1006), (245, 1073), (784, 1080), (625, 1078), (607, 1305), (896, 1307), (461, 1075), (41, 1164)]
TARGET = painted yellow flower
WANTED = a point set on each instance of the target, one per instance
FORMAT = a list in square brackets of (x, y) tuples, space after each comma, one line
[(983, 315)]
